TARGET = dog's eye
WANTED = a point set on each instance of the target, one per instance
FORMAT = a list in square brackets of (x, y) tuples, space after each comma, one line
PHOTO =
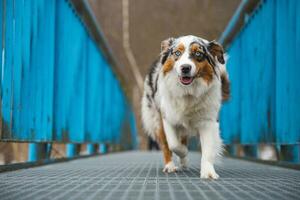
[(198, 54), (177, 53)]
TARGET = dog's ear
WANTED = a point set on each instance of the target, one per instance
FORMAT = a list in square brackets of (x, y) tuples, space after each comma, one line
[(216, 50), (165, 44)]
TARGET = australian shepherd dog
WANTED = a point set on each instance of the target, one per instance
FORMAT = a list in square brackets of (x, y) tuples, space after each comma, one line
[(183, 93)]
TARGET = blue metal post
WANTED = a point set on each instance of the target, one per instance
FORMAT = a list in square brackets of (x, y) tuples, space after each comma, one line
[(72, 150), (38, 151), (91, 149), (102, 148), (233, 149), (290, 153), (296, 153)]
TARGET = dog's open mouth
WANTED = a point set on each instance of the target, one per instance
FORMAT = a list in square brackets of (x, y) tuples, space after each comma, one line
[(186, 80)]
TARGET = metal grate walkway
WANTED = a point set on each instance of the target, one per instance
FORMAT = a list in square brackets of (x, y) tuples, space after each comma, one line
[(138, 175)]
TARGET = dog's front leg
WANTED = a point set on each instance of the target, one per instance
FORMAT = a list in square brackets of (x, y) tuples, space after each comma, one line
[(174, 142), (211, 146), (169, 164)]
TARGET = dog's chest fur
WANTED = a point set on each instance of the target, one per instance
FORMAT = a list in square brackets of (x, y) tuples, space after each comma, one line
[(189, 111)]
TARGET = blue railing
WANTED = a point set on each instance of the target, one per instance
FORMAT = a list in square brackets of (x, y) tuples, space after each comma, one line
[(264, 73), (56, 85)]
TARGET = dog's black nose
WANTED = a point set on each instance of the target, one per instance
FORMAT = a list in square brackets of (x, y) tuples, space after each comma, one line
[(185, 69)]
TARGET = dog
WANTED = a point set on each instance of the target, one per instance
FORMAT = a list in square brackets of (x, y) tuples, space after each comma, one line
[(183, 93)]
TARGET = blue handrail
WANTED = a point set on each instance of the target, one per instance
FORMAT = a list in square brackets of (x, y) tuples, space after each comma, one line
[(56, 85), (263, 67)]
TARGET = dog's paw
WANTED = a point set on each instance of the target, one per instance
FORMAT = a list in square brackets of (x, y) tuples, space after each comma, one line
[(208, 172), (209, 175), (183, 163), (170, 167)]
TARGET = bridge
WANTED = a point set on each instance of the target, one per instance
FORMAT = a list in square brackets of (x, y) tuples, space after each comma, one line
[(138, 175), (61, 85)]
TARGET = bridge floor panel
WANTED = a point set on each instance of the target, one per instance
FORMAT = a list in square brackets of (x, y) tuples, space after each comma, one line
[(138, 175)]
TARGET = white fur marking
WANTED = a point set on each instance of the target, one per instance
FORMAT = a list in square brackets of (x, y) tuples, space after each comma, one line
[(170, 167), (211, 145)]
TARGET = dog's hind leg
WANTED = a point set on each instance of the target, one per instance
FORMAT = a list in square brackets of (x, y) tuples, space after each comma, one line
[(163, 144)]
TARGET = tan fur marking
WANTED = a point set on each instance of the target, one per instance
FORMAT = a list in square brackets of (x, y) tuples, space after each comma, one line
[(204, 70), (168, 66), (180, 48), (163, 144), (196, 47)]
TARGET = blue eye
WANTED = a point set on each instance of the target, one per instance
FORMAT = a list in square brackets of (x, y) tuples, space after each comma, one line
[(177, 53), (198, 54)]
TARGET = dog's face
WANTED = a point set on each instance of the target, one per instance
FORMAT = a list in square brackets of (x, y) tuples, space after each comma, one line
[(191, 58)]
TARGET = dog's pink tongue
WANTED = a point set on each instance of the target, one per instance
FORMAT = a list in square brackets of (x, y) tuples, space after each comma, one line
[(186, 80)]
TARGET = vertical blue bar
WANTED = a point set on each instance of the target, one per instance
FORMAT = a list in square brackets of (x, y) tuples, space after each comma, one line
[(296, 153), (91, 149), (37, 151), (133, 128), (71, 150), (102, 148), (233, 149), (33, 152)]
